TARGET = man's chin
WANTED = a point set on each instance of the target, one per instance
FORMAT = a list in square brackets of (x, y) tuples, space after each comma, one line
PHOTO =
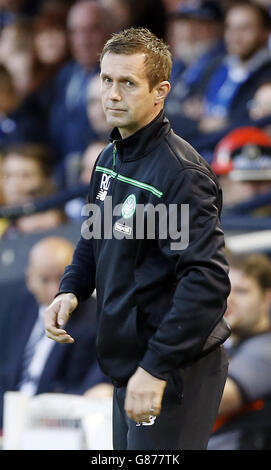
[(115, 122)]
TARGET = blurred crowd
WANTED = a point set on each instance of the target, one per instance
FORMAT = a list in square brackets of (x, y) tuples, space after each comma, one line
[(52, 129), (50, 107)]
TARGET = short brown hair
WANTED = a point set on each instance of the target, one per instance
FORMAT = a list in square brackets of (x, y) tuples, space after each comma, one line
[(255, 265), (38, 152), (158, 62)]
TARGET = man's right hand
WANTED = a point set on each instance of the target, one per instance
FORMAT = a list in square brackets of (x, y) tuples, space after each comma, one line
[(57, 315)]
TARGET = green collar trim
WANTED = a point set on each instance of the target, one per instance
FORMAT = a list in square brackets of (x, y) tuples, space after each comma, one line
[(131, 181)]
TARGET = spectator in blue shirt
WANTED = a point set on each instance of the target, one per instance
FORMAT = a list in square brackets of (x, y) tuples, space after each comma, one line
[(246, 66), (195, 33)]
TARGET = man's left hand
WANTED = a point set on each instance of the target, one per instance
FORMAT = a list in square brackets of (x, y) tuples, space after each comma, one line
[(144, 395)]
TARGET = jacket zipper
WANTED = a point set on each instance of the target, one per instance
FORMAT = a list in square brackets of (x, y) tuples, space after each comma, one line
[(110, 192), (114, 159), (114, 155)]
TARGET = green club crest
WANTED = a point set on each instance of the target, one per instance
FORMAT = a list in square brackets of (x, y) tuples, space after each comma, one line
[(129, 206)]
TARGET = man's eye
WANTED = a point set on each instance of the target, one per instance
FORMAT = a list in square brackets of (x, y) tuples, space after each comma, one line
[(129, 84), (107, 80)]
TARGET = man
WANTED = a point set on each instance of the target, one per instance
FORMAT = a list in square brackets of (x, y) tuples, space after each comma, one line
[(86, 164), (245, 409), (28, 175), (63, 100), (195, 35), (88, 26), (95, 111), (34, 363), (157, 303), (246, 66)]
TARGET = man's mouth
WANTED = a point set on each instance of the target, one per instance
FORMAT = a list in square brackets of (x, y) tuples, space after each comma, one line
[(116, 109)]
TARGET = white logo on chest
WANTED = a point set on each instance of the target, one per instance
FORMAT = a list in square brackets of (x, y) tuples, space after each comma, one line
[(104, 186)]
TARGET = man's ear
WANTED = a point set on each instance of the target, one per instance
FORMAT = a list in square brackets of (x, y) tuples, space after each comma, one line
[(162, 90)]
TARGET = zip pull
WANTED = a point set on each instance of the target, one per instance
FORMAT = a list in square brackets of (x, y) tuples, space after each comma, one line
[(114, 155)]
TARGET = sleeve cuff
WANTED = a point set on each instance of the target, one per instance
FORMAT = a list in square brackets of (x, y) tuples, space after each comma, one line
[(152, 364)]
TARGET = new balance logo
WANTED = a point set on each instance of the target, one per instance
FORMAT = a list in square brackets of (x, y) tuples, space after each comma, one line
[(145, 423), (101, 195)]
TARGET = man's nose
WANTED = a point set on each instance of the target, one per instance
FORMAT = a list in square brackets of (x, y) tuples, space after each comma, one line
[(114, 93)]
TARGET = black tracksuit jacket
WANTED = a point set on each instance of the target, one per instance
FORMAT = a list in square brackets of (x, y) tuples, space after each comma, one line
[(156, 306)]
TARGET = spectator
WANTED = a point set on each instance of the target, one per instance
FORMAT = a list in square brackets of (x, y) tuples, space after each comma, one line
[(98, 124), (244, 421), (95, 110), (35, 364), (73, 208), (16, 53), (63, 101), (51, 49), (260, 105), (246, 66), (15, 36), (242, 159), (89, 158), (27, 176), (195, 34), (16, 124)]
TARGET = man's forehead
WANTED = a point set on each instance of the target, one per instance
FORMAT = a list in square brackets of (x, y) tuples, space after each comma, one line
[(119, 64)]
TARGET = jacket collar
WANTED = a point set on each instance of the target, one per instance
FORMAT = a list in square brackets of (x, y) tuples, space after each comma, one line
[(141, 142)]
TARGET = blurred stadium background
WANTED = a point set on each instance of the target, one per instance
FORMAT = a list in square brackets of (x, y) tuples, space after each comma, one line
[(52, 129)]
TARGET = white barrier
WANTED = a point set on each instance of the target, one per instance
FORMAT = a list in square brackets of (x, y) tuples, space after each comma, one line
[(54, 421)]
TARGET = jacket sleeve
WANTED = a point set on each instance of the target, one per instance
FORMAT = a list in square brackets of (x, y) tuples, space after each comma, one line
[(79, 276), (201, 271)]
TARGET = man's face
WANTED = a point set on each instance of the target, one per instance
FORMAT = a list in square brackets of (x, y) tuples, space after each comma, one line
[(43, 279), (51, 45), (23, 179), (244, 32), (127, 100), (95, 110), (247, 304), (87, 34), (190, 38)]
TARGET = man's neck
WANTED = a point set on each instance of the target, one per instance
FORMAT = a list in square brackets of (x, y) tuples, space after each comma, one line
[(126, 132)]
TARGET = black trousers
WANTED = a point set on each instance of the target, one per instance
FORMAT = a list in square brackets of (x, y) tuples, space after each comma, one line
[(189, 408)]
